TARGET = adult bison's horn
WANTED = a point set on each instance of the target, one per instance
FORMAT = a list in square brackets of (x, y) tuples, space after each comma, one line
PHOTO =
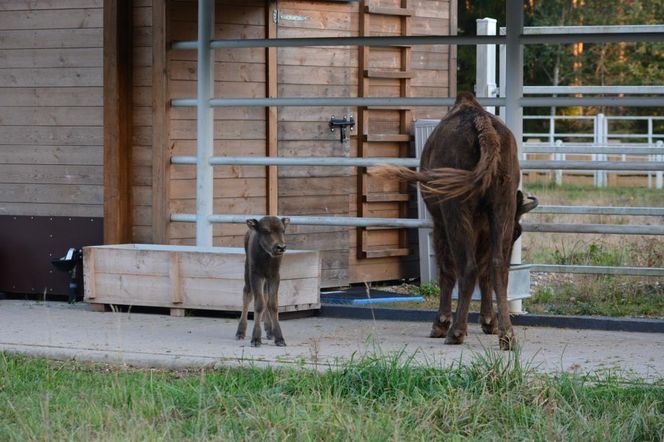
[(527, 207)]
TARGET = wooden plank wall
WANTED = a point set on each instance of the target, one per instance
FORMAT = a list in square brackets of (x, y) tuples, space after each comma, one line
[(302, 131), (51, 108), (238, 131)]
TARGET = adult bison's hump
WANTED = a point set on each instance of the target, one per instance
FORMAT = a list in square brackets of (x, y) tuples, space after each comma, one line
[(455, 142)]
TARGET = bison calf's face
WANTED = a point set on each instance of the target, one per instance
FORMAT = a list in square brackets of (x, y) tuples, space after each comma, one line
[(270, 234)]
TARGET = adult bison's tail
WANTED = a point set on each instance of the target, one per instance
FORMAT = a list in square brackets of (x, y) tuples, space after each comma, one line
[(448, 182)]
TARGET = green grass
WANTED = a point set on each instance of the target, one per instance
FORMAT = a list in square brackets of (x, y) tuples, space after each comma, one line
[(495, 397), (599, 296)]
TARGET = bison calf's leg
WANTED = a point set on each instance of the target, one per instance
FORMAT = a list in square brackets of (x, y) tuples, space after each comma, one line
[(259, 309), (273, 311), (246, 300), (268, 320)]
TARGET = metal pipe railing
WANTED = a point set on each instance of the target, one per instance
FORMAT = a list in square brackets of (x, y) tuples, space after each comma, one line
[(375, 41), (592, 101), (329, 101), (413, 162), (386, 41), (423, 101), (597, 270), (598, 210), (342, 221), (629, 90), (632, 166), (615, 149), (609, 229)]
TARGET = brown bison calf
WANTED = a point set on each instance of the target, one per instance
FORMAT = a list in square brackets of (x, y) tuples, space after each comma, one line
[(264, 245), (469, 174)]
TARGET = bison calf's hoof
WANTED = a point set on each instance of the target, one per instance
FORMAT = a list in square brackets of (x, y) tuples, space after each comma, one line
[(268, 334), (507, 342), (256, 342), (280, 343), (239, 336)]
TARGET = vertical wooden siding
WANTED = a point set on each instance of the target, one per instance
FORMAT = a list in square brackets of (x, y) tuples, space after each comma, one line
[(51, 108)]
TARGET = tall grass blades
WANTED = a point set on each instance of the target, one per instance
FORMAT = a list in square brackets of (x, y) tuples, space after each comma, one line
[(494, 396)]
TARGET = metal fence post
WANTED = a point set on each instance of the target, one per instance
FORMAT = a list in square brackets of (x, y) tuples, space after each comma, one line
[(485, 72), (513, 94), (599, 139), (650, 157), (604, 140), (204, 124), (559, 157), (659, 181), (502, 67)]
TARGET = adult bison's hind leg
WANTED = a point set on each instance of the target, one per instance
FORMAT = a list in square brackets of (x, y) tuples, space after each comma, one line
[(461, 243), (502, 225), (488, 320), (446, 279)]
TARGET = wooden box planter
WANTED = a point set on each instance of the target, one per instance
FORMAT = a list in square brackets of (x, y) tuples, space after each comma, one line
[(185, 277)]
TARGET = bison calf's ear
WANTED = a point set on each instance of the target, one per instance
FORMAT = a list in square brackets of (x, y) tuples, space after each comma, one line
[(252, 223), (285, 221)]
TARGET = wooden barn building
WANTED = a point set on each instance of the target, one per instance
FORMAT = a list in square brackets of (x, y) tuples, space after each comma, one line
[(87, 129)]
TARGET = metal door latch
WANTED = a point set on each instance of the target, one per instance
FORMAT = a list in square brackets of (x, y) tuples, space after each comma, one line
[(343, 124)]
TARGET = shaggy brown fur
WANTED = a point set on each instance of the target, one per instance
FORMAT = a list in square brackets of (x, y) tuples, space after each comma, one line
[(448, 182), (469, 173)]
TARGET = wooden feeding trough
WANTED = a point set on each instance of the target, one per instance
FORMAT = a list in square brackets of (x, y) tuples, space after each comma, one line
[(185, 277)]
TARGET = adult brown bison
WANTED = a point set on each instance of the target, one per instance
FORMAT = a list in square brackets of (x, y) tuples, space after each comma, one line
[(469, 173)]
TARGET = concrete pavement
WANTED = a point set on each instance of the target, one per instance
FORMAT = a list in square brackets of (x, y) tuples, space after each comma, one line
[(62, 331)]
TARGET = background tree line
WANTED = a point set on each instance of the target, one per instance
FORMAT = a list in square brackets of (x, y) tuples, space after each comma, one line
[(576, 64)]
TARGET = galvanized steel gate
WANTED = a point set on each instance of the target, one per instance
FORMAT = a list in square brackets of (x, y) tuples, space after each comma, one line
[(513, 101)]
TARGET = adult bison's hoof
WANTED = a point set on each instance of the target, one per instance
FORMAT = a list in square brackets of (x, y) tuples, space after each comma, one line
[(456, 337), (437, 332), (256, 342), (280, 342), (439, 328), (490, 326), (507, 342)]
